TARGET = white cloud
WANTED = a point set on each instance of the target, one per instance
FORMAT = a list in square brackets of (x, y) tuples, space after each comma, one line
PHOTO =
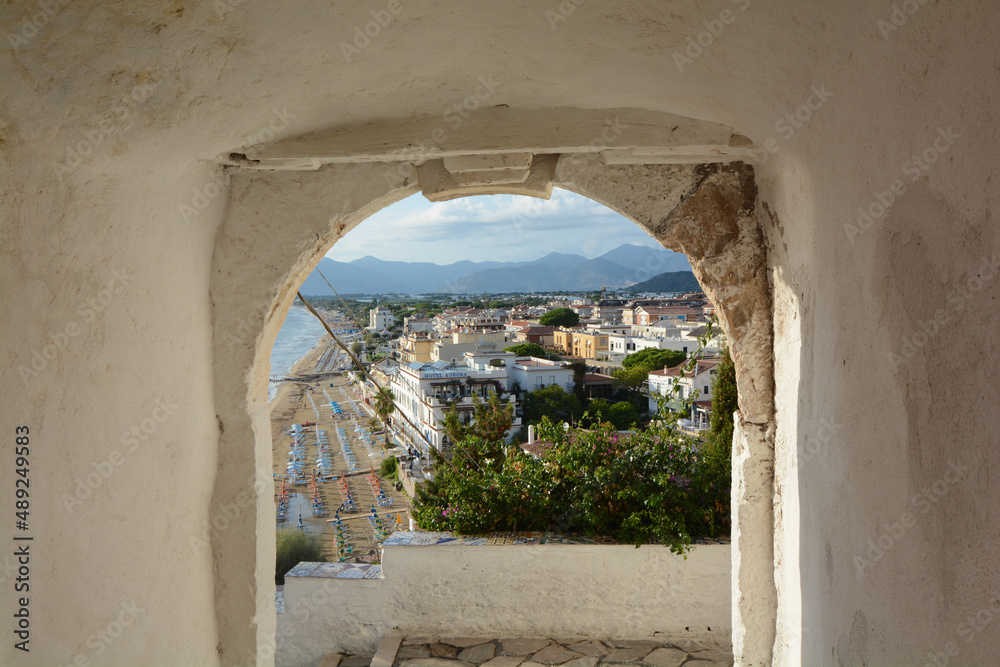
[(498, 227)]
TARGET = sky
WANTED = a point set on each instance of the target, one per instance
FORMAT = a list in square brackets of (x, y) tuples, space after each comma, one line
[(489, 227)]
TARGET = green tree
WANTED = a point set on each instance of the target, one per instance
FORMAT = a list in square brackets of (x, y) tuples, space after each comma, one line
[(553, 402), (490, 423), (653, 359), (632, 378), (384, 407), (724, 401), (294, 547), (621, 415), (579, 376), (528, 350), (560, 317)]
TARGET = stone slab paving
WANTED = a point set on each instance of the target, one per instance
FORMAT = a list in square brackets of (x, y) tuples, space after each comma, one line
[(557, 652)]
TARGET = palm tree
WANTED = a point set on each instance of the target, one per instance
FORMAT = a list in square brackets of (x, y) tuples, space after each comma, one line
[(384, 407)]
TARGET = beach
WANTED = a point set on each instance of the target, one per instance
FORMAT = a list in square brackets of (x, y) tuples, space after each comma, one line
[(292, 405)]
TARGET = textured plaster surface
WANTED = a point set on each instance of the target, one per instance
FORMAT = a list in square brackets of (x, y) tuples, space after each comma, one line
[(511, 591), (161, 89)]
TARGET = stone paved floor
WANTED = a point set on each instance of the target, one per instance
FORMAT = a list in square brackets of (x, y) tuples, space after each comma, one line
[(545, 652)]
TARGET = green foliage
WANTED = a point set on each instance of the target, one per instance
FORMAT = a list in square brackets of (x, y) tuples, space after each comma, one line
[(294, 547), (560, 317), (389, 467), (488, 429), (384, 407), (648, 486), (653, 359), (528, 350), (553, 402), (631, 378), (622, 415), (724, 400), (579, 374)]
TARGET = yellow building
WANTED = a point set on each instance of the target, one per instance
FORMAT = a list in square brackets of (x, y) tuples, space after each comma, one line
[(578, 343), (562, 340), (416, 348)]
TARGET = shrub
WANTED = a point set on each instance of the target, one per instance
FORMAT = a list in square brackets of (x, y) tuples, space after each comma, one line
[(642, 487), (389, 467), (294, 547)]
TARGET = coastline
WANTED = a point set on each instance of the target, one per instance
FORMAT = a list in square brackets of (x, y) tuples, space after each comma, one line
[(291, 405)]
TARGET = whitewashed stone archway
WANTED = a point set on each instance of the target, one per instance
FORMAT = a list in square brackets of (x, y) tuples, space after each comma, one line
[(280, 223)]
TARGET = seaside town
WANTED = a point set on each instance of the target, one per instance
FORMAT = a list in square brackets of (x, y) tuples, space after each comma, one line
[(362, 423)]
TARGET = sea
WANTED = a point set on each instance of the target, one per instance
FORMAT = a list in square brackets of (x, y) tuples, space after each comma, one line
[(298, 336)]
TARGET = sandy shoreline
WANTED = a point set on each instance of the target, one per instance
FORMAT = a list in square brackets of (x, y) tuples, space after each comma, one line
[(291, 405)]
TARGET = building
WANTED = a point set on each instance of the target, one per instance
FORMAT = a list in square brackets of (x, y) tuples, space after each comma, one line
[(416, 348), (424, 392), (589, 344), (417, 324), (645, 315), (454, 343), (695, 383), (580, 342), (609, 310), (380, 318), (531, 373), (536, 333)]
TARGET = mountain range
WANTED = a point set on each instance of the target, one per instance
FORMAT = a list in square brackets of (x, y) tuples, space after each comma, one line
[(671, 281), (624, 266)]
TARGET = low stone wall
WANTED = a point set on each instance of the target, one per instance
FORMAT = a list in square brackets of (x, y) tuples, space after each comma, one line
[(471, 588)]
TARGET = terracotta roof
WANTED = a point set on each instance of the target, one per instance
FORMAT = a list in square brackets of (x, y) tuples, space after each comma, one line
[(537, 448), (537, 329)]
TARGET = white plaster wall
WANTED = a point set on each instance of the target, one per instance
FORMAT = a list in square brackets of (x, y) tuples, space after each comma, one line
[(496, 591), (224, 72)]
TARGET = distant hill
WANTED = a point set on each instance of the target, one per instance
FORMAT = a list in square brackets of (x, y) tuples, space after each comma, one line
[(671, 281), (616, 269)]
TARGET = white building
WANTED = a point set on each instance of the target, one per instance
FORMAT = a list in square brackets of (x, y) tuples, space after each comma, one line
[(380, 318), (531, 373), (426, 392), (696, 384), (417, 324)]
